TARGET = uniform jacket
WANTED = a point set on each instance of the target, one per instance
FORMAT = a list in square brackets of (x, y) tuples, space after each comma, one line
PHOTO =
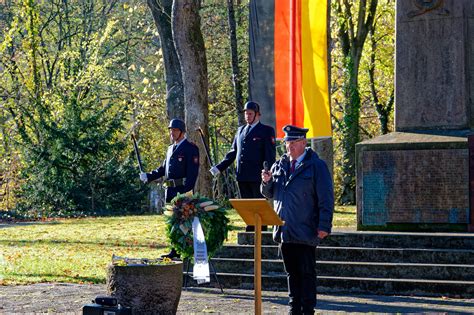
[(250, 152), (304, 200), (182, 163)]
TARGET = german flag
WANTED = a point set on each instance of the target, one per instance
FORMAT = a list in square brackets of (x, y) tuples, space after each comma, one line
[(289, 64)]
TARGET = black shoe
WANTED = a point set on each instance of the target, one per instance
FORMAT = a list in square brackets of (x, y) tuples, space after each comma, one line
[(171, 255)]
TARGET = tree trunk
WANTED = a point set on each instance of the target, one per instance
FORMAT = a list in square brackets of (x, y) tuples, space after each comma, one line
[(236, 79), (350, 132), (352, 38), (383, 110), (161, 11), (189, 44)]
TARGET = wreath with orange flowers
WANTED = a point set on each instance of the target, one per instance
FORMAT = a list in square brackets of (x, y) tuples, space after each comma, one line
[(180, 215)]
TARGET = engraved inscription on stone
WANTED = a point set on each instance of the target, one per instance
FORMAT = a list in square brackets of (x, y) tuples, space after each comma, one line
[(471, 178), (415, 186), (375, 212)]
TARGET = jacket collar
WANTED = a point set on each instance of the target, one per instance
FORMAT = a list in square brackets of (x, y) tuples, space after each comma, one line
[(178, 146), (307, 161)]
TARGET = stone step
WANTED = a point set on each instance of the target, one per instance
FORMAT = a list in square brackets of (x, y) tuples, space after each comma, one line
[(440, 272), (364, 262), (382, 240), (330, 284), (355, 269), (407, 255), (397, 255), (246, 251)]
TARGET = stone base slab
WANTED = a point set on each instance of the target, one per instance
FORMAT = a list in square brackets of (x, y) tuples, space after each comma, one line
[(413, 181)]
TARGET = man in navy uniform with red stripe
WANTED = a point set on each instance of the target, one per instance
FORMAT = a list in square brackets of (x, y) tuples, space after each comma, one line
[(253, 144), (180, 167)]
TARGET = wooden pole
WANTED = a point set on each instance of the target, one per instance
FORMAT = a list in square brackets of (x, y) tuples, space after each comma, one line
[(257, 282)]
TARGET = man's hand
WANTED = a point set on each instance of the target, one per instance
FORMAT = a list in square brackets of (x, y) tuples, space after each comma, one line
[(143, 177), (266, 176), (322, 234), (214, 171)]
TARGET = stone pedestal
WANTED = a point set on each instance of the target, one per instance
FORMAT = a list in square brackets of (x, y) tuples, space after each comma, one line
[(413, 181), (324, 148), (147, 289), (417, 178), (471, 182)]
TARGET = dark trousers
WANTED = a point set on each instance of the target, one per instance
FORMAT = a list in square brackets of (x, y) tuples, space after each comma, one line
[(250, 190), (300, 267), (172, 192)]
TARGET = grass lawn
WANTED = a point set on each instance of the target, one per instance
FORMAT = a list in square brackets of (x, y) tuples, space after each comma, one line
[(78, 250)]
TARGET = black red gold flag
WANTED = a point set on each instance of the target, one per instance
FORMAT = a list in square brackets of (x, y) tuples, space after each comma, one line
[(289, 63)]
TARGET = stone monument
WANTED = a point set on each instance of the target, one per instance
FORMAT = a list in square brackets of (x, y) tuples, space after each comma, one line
[(417, 178)]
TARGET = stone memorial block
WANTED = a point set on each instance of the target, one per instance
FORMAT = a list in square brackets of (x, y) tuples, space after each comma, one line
[(417, 178), (434, 64), (410, 178)]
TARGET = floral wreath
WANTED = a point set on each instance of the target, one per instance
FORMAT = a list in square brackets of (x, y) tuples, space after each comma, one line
[(181, 212)]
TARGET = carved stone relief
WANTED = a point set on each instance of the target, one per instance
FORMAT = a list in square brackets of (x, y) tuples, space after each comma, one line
[(425, 6)]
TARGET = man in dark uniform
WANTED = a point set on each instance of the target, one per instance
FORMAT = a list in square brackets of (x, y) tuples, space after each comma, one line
[(253, 144), (302, 192), (180, 167)]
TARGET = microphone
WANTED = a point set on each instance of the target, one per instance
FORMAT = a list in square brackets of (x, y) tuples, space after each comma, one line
[(265, 166), (266, 172)]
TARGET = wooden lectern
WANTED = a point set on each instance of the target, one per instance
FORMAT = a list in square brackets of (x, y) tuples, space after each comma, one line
[(257, 212)]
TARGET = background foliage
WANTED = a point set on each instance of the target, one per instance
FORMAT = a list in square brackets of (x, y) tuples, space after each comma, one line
[(79, 76)]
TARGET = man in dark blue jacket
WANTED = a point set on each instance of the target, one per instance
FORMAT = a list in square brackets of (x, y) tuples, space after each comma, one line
[(253, 144), (180, 167), (302, 191)]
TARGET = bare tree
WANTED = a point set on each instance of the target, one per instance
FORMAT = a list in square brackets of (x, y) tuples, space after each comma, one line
[(353, 28), (383, 108), (161, 11), (189, 43), (236, 79)]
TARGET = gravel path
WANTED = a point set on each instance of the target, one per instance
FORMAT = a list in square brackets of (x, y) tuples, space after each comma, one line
[(69, 299)]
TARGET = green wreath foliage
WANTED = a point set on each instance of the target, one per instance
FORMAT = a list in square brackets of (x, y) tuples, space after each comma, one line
[(180, 215)]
